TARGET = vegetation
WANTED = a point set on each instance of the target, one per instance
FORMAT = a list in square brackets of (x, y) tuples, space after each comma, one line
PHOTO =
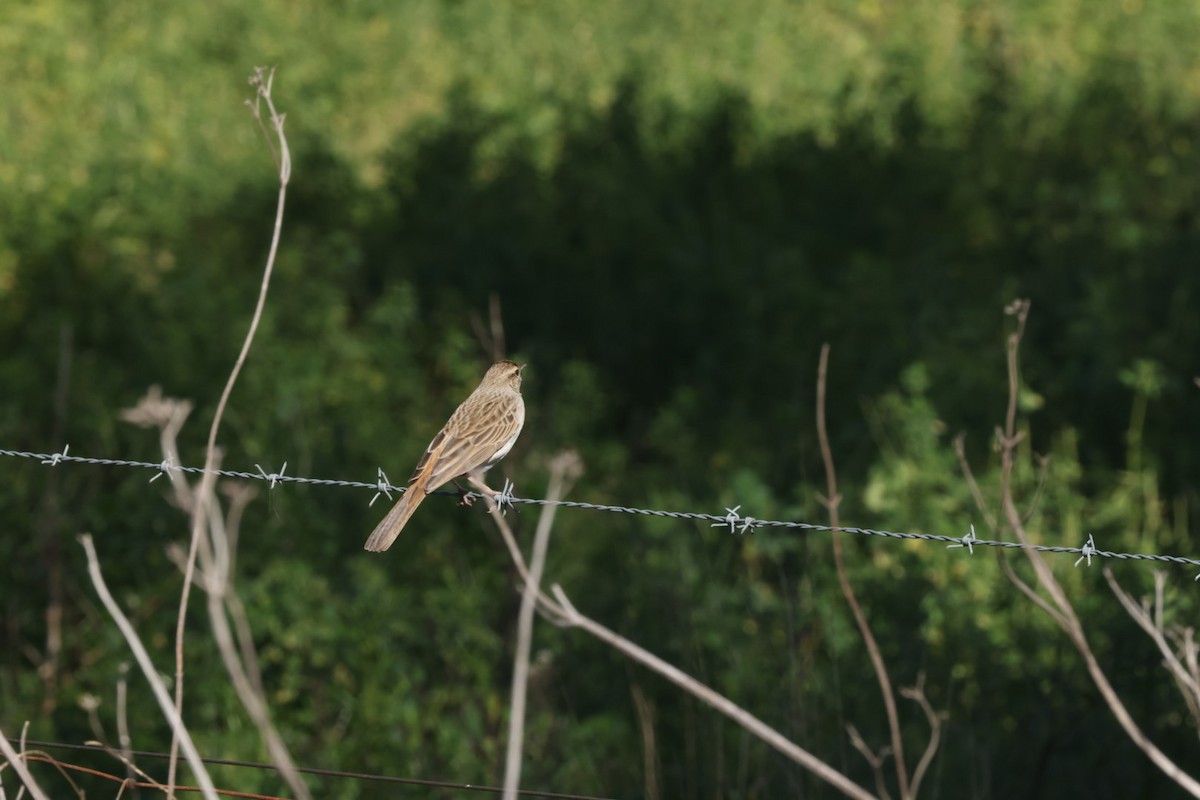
[(676, 204)]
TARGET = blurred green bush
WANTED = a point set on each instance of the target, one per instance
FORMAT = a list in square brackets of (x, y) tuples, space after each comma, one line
[(676, 204)]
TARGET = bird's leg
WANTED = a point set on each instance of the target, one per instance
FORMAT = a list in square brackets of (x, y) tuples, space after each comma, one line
[(502, 499), (476, 480), (464, 495)]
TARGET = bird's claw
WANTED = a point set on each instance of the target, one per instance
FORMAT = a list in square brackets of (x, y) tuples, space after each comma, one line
[(466, 498)]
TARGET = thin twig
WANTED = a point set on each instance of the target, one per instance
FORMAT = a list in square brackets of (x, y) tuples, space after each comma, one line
[(133, 772), (1030, 592), (18, 764), (1154, 629), (123, 738), (506, 533), (491, 338), (147, 667), (262, 83), (63, 768), (1039, 491), (1186, 642), (217, 556), (874, 760), (831, 501), (562, 612), (990, 519), (52, 523), (960, 450), (1008, 439), (219, 588), (644, 707), (563, 470), (711, 698), (917, 694)]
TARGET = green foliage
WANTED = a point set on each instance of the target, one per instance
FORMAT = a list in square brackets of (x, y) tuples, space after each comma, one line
[(676, 203), (968, 609)]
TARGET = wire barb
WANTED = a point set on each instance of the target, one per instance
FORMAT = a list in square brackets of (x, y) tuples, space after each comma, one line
[(1089, 550), (967, 541), (166, 466), (504, 498), (273, 477), (383, 485), (732, 519), (736, 522)]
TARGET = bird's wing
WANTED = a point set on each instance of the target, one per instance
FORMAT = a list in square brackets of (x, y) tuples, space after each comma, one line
[(434, 449), (462, 447)]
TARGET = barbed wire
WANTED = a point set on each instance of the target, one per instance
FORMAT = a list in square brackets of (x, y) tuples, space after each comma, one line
[(732, 518)]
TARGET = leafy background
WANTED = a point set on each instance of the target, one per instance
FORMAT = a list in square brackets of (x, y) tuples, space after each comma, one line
[(676, 204)]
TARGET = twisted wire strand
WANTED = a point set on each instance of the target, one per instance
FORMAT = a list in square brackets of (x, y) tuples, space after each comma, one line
[(732, 518)]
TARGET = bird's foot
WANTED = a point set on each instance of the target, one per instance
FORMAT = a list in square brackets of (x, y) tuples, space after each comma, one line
[(466, 499)]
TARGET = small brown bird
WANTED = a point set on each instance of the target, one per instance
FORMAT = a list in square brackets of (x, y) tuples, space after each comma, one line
[(478, 434)]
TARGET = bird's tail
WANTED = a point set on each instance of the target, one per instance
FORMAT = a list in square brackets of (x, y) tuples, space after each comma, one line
[(389, 528)]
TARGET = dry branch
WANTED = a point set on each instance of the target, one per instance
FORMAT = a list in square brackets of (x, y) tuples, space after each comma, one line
[(1181, 660), (560, 611), (18, 765), (217, 553), (832, 501), (262, 81), (563, 470), (147, 667), (1055, 602)]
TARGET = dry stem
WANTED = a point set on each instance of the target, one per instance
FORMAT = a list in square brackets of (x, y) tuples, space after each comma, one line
[(563, 470), (147, 667), (1058, 606), (832, 501), (561, 612), (217, 555), (644, 707), (18, 764), (1180, 661), (262, 82)]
